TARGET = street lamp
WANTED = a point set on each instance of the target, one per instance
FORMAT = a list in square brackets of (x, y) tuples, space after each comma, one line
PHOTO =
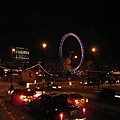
[(93, 49), (74, 60), (96, 56), (12, 55), (75, 56), (44, 45)]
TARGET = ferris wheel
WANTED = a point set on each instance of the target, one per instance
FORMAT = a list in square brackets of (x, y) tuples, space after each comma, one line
[(81, 48)]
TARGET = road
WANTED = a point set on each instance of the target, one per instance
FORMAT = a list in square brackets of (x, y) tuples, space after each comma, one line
[(96, 109)]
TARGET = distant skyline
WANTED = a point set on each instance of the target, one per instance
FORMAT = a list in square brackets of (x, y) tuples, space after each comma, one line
[(28, 24)]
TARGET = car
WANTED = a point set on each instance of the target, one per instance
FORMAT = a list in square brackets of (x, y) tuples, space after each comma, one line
[(38, 92), (86, 82), (112, 81), (75, 98), (22, 96), (55, 107), (37, 88), (117, 94), (52, 86)]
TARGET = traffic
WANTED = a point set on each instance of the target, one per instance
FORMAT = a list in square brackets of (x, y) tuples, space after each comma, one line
[(35, 103)]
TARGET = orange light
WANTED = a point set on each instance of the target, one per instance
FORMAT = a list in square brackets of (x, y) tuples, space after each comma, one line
[(93, 49), (44, 45), (86, 100), (13, 50), (76, 102), (22, 97)]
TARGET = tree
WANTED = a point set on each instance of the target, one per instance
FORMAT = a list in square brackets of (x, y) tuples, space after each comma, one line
[(67, 63)]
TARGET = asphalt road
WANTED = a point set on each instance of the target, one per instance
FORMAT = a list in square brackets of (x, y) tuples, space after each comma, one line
[(96, 109)]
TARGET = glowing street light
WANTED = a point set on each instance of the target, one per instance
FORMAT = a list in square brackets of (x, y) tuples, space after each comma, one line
[(44, 45), (93, 49), (96, 56), (75, 56), (13, 50)]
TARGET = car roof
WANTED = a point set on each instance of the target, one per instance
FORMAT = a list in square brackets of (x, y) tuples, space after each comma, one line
[(72, 94), (25, 91), (57, 98)]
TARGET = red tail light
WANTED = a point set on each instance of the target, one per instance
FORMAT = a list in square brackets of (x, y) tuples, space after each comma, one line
[(35, 96), (43, 92), (84, 111), (61, 116), (28, 89)]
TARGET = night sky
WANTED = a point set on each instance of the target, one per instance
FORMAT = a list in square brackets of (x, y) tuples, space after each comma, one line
[(27, 24)]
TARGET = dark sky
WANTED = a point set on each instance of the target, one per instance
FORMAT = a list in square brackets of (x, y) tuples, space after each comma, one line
[(28, 23)]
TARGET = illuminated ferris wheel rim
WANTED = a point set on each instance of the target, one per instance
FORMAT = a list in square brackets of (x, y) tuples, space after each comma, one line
[(81, 46)]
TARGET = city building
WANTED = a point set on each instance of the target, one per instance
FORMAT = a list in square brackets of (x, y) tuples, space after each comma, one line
[(20, 56)]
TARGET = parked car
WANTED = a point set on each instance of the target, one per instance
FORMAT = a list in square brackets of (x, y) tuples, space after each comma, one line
[(52, 86), (55, 107), (112, 81), (75, 98)]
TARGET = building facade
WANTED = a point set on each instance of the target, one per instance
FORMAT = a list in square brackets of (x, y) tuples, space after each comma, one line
[(21, 56)]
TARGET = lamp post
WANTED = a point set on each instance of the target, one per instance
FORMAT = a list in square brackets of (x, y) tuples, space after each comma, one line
[(12, 56), (44, 45), (96, 56), (74, 60), (97, 64)]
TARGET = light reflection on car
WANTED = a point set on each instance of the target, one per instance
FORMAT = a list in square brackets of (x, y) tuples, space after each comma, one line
[(86, 82), (52, 86), (75, 98)]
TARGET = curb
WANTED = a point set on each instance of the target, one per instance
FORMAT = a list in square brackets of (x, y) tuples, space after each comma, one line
[(9, 113)]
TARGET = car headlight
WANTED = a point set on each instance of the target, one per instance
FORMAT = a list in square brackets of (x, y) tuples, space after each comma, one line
[(117, 96), (53, 86), (59, 86), (86, 83)]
